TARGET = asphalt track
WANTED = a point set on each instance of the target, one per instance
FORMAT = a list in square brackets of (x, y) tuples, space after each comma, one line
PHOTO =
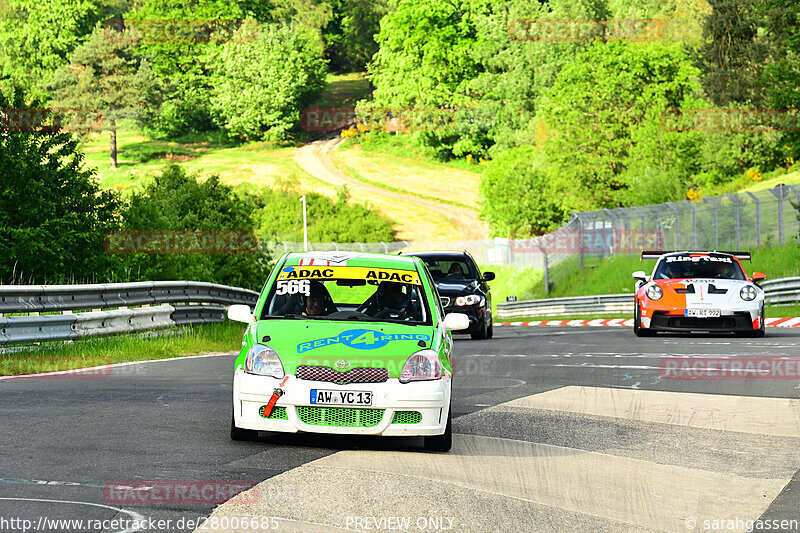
[(556, 429)]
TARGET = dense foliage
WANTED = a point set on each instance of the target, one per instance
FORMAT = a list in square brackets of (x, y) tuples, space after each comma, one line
[(263, 83), (53, 214), (175, 201)]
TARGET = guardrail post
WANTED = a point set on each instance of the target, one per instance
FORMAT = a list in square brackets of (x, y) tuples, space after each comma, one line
[(735, 200), (758, 217), (716, 228), (779, 193)]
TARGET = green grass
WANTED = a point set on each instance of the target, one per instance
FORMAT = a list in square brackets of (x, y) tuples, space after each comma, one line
[(403, 146), (344, 90), (353, 172), (512, 281), (612, 275), (195, 340)]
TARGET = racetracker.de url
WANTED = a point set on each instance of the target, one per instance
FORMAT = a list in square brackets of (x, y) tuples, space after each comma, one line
[(138, 523)]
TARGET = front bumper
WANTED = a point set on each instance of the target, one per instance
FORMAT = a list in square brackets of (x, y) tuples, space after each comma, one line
[(743, 319), (431, 399)]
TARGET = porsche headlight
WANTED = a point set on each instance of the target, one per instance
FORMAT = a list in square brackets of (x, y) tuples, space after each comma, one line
[(422, 366), (748, 293), (471, 299), (263, 361), (654, 292)]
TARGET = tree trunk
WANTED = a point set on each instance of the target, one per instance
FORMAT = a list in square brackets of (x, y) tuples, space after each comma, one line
[(113, 127)]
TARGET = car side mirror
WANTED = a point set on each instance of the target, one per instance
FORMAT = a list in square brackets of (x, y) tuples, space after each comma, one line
[(456, 322), (240, 313), (488, 276), (759, 276), (639, 275)]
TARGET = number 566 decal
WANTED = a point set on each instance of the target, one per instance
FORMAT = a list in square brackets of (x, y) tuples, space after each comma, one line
[(294, 286)]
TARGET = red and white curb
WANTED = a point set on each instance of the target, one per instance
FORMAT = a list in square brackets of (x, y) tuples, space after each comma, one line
[(788, 322)]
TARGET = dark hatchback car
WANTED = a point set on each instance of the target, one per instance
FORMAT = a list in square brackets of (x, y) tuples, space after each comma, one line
[(462, 288)]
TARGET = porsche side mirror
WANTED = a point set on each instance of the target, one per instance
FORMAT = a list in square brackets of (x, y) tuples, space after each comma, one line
[(488, 276), (640, 275), (759, 276)]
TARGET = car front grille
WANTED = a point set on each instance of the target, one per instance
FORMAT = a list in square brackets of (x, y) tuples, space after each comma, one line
[(354, 375), (278, 413), (407, 417), (340, 416)]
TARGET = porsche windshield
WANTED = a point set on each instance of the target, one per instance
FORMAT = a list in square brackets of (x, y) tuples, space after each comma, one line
[(699, 266), (347, 293)]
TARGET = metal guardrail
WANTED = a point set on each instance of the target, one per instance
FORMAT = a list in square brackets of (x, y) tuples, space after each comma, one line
[(782, 291), (110, 309)]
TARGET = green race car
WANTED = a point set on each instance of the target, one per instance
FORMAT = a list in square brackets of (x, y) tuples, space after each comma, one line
[(346, 343)]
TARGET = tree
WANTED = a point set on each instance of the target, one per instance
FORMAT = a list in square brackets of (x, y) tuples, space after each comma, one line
[(517, 196), (425, 54), (176, 201), (37, 36), (261, 85), (53, 214), (183, 63), (350, 34), (596, 104), (106, 75), (733, 53)]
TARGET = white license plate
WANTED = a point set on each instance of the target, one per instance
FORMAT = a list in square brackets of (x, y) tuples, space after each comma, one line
[(339, 397), (703, 313)]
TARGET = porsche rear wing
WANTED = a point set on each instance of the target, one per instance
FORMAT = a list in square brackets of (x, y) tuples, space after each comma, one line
[(655, 254)]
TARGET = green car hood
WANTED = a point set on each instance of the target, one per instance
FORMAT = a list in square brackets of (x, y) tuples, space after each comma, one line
[(363, 345)]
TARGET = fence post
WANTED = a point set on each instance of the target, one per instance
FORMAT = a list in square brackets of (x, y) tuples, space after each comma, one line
[(630, 230), (546, 269), (758, 217), (677, 225), (735, 200), (694, 223), (716, 228), (779, 193)]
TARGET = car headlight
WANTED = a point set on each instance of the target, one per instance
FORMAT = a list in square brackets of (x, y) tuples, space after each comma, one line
[(654, 292), (421, 366), (470, 299), (748, 293), (263, 361)]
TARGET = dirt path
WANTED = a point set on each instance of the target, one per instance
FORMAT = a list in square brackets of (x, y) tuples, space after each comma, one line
[(416, 219)]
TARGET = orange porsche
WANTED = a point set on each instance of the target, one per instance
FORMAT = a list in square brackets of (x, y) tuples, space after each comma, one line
[(698, 291)]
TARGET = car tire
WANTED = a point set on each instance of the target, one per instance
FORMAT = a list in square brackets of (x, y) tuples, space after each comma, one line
[(638, 330), (442, 443), (240, 434), (490, 331), (482, 333)]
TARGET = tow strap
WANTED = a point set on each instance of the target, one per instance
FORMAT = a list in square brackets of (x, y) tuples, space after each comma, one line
[(277, 393)]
